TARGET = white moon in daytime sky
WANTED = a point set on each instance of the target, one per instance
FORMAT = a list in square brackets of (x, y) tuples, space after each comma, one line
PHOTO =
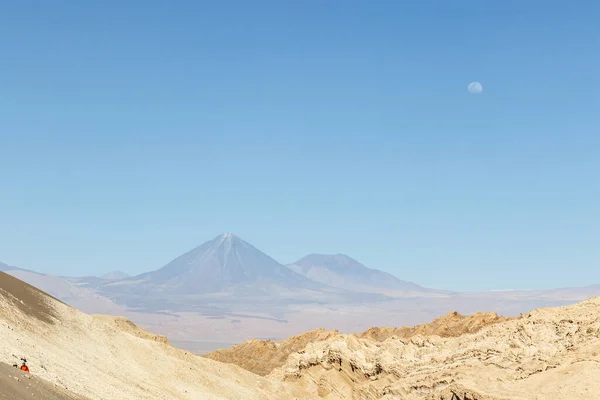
[(475, 87)]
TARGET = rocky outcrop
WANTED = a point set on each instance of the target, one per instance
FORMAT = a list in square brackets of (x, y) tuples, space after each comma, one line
[(261, 357), (125, 325), (450, 325), (524, 358)]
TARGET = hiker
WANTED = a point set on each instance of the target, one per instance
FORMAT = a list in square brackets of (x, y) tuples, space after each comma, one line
[(24, 366)]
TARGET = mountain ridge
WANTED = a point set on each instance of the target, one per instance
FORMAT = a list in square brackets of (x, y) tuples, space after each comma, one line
[(342, 271), (219, 265), (227, 261), (5, 267), (114, 275)]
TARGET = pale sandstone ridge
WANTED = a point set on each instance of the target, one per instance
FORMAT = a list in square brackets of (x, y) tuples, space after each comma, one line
[(548, 353), (125, 325), (450, 325), (104, 358), (263, 356)]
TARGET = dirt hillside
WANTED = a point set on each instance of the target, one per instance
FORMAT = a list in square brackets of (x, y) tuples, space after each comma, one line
[(19, 385), (106, 358)]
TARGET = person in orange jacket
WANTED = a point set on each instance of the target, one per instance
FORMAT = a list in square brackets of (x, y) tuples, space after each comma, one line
[(24, 366)]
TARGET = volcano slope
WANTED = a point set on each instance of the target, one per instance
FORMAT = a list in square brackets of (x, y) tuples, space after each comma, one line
[(99, 357), (547, 353)]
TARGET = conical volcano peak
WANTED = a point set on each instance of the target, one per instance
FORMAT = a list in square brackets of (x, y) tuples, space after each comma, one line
[(225, 243), (222, 263), (226, 238)]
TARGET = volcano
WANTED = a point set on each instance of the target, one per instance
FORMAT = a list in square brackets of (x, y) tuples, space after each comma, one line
[(224, 264), (341, 271)]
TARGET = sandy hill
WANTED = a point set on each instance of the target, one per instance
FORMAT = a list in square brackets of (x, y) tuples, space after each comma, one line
[(101, 357)]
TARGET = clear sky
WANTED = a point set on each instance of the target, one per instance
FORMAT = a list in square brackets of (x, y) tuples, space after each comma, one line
[(132, 131)]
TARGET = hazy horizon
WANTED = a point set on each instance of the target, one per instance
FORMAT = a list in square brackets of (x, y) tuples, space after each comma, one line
[(108, 273)]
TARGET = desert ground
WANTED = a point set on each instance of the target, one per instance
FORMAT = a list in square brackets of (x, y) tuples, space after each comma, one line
[(545, 353)]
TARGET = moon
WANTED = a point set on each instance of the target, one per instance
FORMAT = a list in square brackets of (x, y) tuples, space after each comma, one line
[(475, 87)]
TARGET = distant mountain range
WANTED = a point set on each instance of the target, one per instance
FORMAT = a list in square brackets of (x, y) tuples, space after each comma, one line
[(226, 264), (114, 275), (221, 271), (6, 267), (345, 272), (226, 288), (229, 269), (70, 292)]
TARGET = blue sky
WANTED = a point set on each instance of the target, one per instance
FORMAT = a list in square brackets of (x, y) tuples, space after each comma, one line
[(133, 131)]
